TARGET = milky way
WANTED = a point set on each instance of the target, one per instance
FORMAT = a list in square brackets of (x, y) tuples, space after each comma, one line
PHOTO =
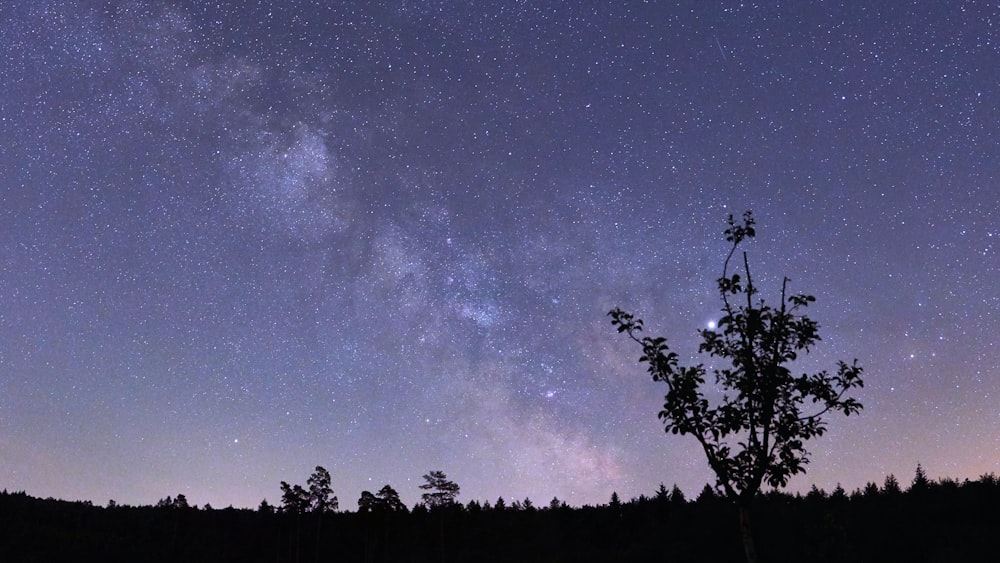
[(242, 241)]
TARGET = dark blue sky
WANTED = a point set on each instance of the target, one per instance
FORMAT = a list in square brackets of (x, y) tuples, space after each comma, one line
[(238, 242)]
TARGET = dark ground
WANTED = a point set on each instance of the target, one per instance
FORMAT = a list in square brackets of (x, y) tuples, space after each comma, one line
[(943, 521)]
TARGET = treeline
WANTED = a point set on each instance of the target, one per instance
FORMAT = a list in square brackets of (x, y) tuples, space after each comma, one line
[(926, 520)]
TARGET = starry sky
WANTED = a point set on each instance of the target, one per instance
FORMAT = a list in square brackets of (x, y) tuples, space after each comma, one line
[(242, 239)]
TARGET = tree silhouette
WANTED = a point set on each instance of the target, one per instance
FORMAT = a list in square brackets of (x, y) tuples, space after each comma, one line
[(321, 500), (294, 498), (953, 521), (383, 505), (389, 499), (756, 434), (443, 491), (662, 494), (367, 502), (321, 497), (891, 485), (816, 494), (677, 496), (920, 483), (870, 490), (615, 502), (706, 495), (318, 500), (386, 500), (179, 502), (839, 494)]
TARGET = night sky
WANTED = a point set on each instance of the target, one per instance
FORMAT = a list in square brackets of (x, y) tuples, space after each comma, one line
[(238, 242)]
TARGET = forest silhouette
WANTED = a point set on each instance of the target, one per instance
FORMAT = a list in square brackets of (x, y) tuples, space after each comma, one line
[(943, 520)]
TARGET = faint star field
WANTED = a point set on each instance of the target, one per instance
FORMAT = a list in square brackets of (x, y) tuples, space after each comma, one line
[(242, 239)]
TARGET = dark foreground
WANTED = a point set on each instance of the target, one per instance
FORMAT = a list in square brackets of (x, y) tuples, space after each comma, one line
[(945, 521)]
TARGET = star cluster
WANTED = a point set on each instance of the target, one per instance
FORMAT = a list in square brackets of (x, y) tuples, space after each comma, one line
[(241, 239)]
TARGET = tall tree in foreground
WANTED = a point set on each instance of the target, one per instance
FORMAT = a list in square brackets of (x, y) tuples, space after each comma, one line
[(756, 434)]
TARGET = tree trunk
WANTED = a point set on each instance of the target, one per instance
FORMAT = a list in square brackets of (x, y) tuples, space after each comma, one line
[(319, 529), (745, 531)]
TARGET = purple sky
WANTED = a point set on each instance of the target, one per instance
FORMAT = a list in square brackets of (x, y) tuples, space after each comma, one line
[(237, 243)]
